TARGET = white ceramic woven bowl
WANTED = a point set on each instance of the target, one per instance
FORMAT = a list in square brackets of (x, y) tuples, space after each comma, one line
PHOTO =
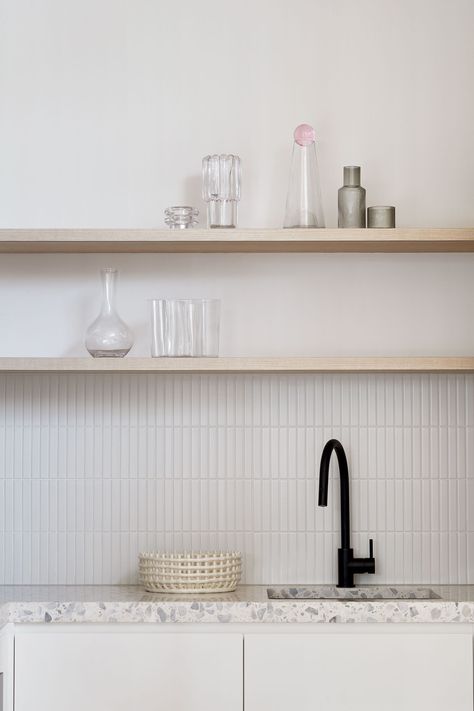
[(204, 572)]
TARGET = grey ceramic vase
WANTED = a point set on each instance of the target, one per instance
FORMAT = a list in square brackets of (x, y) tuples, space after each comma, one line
[(351, 199)]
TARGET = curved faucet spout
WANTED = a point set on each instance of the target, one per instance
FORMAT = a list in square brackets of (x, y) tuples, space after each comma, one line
[(335, 446)]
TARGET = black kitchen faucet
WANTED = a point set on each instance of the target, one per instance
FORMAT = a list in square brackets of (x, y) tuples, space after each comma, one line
[(347, 565)]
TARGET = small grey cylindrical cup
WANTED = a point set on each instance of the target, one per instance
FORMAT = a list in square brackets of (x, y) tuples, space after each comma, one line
[(381, 216)]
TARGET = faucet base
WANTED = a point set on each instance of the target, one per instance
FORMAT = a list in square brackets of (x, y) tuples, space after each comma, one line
[(348, 566), (345, 576)]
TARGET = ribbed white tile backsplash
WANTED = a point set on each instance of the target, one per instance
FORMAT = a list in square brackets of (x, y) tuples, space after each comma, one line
[(95, 468)]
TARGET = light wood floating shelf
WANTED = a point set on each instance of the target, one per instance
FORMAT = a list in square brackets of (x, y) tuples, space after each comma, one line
[(232, 241), (238, 365)]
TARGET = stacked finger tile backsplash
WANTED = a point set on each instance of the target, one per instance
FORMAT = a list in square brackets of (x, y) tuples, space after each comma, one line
[(95, 468)]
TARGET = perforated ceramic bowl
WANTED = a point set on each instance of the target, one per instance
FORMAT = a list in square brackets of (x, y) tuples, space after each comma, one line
[(204, 572)]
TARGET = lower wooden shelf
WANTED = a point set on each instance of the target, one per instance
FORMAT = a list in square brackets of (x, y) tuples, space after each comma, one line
[(240, 365)]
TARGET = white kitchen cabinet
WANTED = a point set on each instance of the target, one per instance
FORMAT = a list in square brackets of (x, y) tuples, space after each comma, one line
[(359, 672), (6, 667), (126, 667), (110, 669)]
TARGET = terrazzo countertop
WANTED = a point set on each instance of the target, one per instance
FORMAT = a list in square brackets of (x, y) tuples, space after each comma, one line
[(91, 603)]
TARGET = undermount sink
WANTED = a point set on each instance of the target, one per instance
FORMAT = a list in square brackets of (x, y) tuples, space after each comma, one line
[(370, 592)]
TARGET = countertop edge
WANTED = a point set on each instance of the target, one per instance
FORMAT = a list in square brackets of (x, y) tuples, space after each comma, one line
[(245, 611)]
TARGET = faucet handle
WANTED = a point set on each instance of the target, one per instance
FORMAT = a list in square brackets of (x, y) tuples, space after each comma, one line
[(371, 547)]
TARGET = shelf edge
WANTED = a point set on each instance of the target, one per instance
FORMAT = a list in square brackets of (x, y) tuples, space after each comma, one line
[(237, 365)]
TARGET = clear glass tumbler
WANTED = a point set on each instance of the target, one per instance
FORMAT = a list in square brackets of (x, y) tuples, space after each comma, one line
[(185, 327), (221, 189)]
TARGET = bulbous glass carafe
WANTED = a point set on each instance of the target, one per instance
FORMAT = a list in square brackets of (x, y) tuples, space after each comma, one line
[(108, 336)]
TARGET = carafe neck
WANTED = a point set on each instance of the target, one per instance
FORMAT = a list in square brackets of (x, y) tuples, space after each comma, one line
[(109, 279)]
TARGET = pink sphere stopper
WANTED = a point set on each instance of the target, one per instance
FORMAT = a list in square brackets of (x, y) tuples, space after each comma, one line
[(304, 134)]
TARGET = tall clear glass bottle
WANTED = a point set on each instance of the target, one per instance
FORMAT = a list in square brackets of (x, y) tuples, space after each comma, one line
[(303, 204), (108, 336)]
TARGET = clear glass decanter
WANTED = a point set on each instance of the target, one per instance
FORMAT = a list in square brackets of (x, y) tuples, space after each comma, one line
[(303, 204), (108, 336)]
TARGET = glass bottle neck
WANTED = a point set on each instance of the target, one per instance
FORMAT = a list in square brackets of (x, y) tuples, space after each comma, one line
[(109, 279)]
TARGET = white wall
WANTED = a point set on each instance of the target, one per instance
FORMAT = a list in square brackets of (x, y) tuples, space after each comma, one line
[(109, 105), (106, 109)]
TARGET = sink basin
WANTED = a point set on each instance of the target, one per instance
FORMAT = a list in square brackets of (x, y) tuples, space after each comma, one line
[(369, 592)]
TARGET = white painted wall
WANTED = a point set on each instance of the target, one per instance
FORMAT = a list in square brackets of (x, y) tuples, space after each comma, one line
[(109, 105), (106, 109)]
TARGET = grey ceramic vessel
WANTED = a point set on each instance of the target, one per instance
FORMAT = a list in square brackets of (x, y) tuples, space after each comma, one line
[(381, 216), (351, 199)]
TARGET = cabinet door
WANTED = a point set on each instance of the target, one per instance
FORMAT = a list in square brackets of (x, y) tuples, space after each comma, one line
[(6, 668), (358, 672), (124, 671)]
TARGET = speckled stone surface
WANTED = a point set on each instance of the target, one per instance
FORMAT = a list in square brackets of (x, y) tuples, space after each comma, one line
[(20, 604), (370, 592)]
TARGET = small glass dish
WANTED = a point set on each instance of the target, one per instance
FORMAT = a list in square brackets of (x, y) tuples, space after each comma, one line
[(181, 217)]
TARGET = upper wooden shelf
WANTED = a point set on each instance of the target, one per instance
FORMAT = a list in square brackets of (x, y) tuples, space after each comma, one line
[(239, 365), (231, 241)]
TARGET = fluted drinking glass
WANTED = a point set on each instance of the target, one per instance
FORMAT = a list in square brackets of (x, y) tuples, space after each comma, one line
[(185, 327)]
